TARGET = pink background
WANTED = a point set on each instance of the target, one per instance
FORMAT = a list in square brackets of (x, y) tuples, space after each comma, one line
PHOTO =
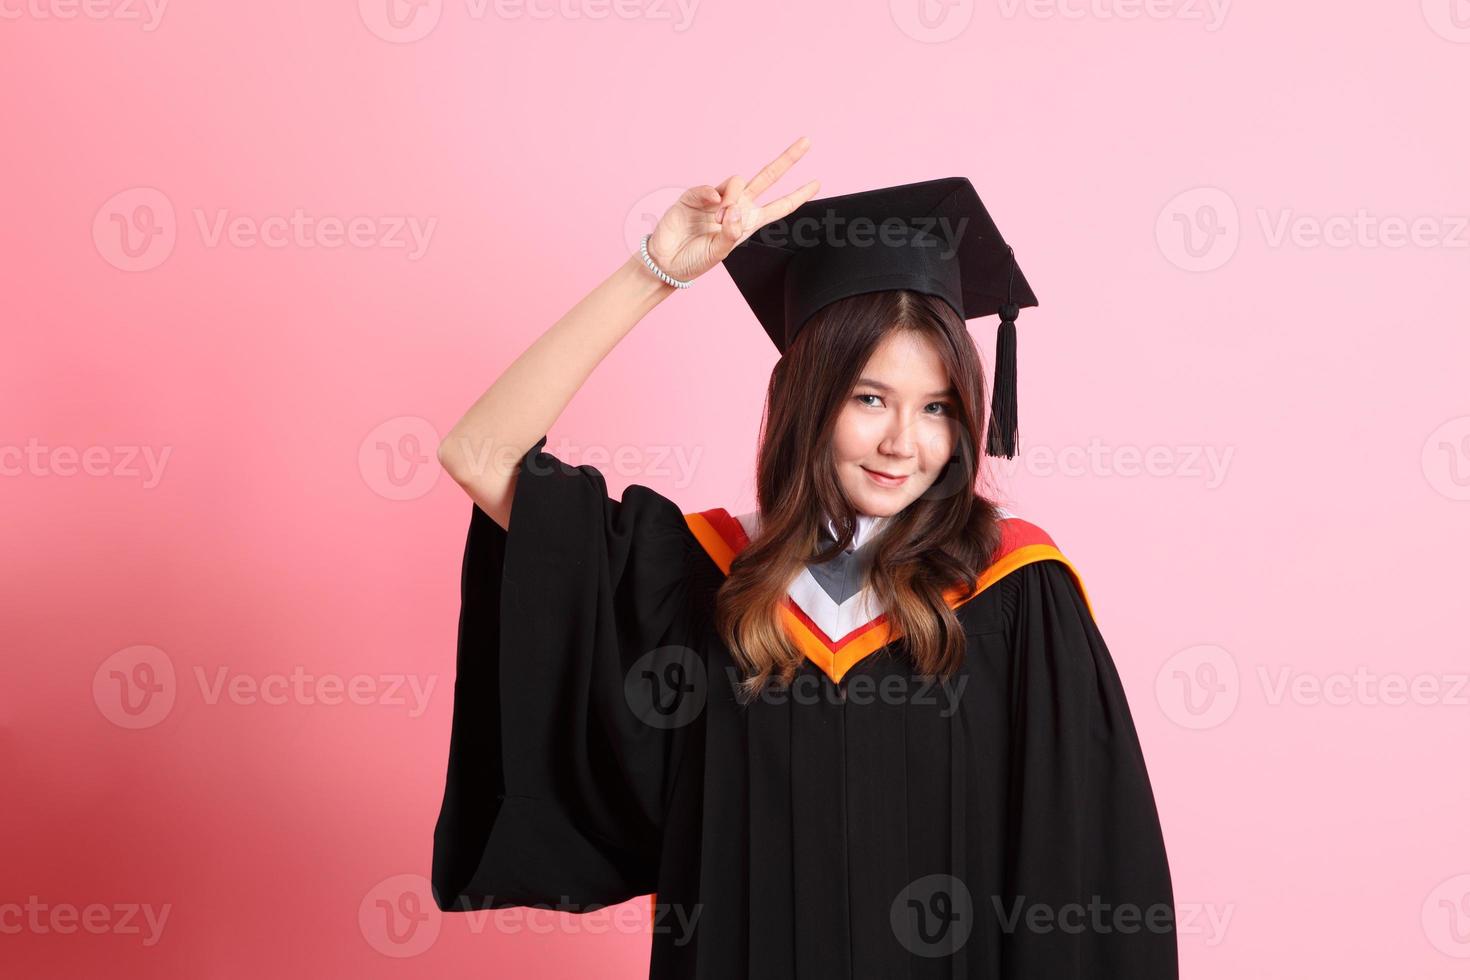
[(1142, 161)]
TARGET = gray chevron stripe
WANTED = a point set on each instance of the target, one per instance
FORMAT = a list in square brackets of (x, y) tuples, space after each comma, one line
[(842, 577)]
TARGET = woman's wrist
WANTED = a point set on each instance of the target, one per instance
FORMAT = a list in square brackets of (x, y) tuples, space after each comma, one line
[(646, 288)]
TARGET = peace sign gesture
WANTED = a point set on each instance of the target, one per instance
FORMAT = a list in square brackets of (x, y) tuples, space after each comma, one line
[(700, 229)]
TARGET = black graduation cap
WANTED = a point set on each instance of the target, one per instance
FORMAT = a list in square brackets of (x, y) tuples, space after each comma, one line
[(933, 237)]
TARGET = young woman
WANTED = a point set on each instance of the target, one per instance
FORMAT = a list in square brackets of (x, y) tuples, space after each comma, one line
[(868, 730)]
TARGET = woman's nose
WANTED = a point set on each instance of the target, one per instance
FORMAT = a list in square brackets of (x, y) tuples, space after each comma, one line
[(900, 438)]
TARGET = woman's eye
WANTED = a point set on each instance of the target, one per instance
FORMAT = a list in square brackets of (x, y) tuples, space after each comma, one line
[(944, 406)]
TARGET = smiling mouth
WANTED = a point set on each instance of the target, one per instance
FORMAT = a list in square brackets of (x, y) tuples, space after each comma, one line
[(886, 479)]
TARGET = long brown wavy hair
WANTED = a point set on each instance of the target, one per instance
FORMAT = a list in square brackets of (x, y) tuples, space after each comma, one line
[(941, 540)]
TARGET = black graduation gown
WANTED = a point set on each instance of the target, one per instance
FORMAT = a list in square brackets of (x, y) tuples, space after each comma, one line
[(1003, 827)]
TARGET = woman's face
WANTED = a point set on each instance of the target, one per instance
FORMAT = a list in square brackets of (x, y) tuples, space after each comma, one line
[(898, 421)]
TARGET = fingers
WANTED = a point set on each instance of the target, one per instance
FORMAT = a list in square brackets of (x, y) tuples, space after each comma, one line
[(722, 200), (736, 212), (734, 191), (782, 206), (772, 171), (733, 226), (704, 195)]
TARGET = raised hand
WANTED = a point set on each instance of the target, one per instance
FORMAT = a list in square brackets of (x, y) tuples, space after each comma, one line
[(700, 229)]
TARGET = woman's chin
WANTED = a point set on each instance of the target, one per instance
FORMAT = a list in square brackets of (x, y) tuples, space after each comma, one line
[(880, 504)]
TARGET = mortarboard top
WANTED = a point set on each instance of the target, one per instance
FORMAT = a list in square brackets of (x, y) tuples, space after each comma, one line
[(933, 237)]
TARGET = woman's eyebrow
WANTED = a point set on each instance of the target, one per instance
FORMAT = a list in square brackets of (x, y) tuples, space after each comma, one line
[(948, 392)]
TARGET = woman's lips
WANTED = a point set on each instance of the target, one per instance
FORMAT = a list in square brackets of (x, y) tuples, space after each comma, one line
[(885, 481)]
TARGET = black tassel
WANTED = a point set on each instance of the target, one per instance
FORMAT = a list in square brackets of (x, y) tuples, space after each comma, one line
[(1001, 440)]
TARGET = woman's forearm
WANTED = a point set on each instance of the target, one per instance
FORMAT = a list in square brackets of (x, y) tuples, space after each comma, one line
[(483, 448)]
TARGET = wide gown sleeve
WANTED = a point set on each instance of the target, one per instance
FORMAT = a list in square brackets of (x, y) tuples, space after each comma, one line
[(555, 787), (1088, 893)]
